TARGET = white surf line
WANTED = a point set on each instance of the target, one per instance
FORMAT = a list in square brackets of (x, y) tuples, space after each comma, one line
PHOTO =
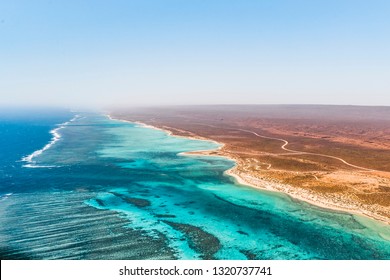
[(55, 138), (5, 196), (33, 165), (295, 152)]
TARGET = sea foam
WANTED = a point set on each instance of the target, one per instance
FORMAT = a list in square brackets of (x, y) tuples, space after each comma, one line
[(5, 196), (56, 136)]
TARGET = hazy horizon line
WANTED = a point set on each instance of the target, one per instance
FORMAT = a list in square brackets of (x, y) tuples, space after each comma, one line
[(120, 107)]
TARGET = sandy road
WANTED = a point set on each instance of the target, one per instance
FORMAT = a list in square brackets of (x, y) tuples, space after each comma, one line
[(306, 153), (295, 152)]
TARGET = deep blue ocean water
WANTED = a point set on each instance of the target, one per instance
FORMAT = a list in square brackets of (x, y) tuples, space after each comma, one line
[(107, 189)]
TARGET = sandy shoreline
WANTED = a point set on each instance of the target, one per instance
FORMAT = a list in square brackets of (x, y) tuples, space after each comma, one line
[(247, 179), (302, 195)]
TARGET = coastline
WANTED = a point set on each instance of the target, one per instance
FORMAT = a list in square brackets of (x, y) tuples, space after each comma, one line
[(301, 195), (247, 179)]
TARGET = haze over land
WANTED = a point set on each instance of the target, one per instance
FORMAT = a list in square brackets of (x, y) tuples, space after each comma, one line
[(99, 53)]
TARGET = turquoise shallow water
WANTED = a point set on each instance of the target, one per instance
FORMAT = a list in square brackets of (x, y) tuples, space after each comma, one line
[(182, 205)]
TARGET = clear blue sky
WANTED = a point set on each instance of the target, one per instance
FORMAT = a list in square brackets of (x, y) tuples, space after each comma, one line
[(139, 52)]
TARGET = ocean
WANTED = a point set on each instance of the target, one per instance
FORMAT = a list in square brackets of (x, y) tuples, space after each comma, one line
[(84, 186)]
